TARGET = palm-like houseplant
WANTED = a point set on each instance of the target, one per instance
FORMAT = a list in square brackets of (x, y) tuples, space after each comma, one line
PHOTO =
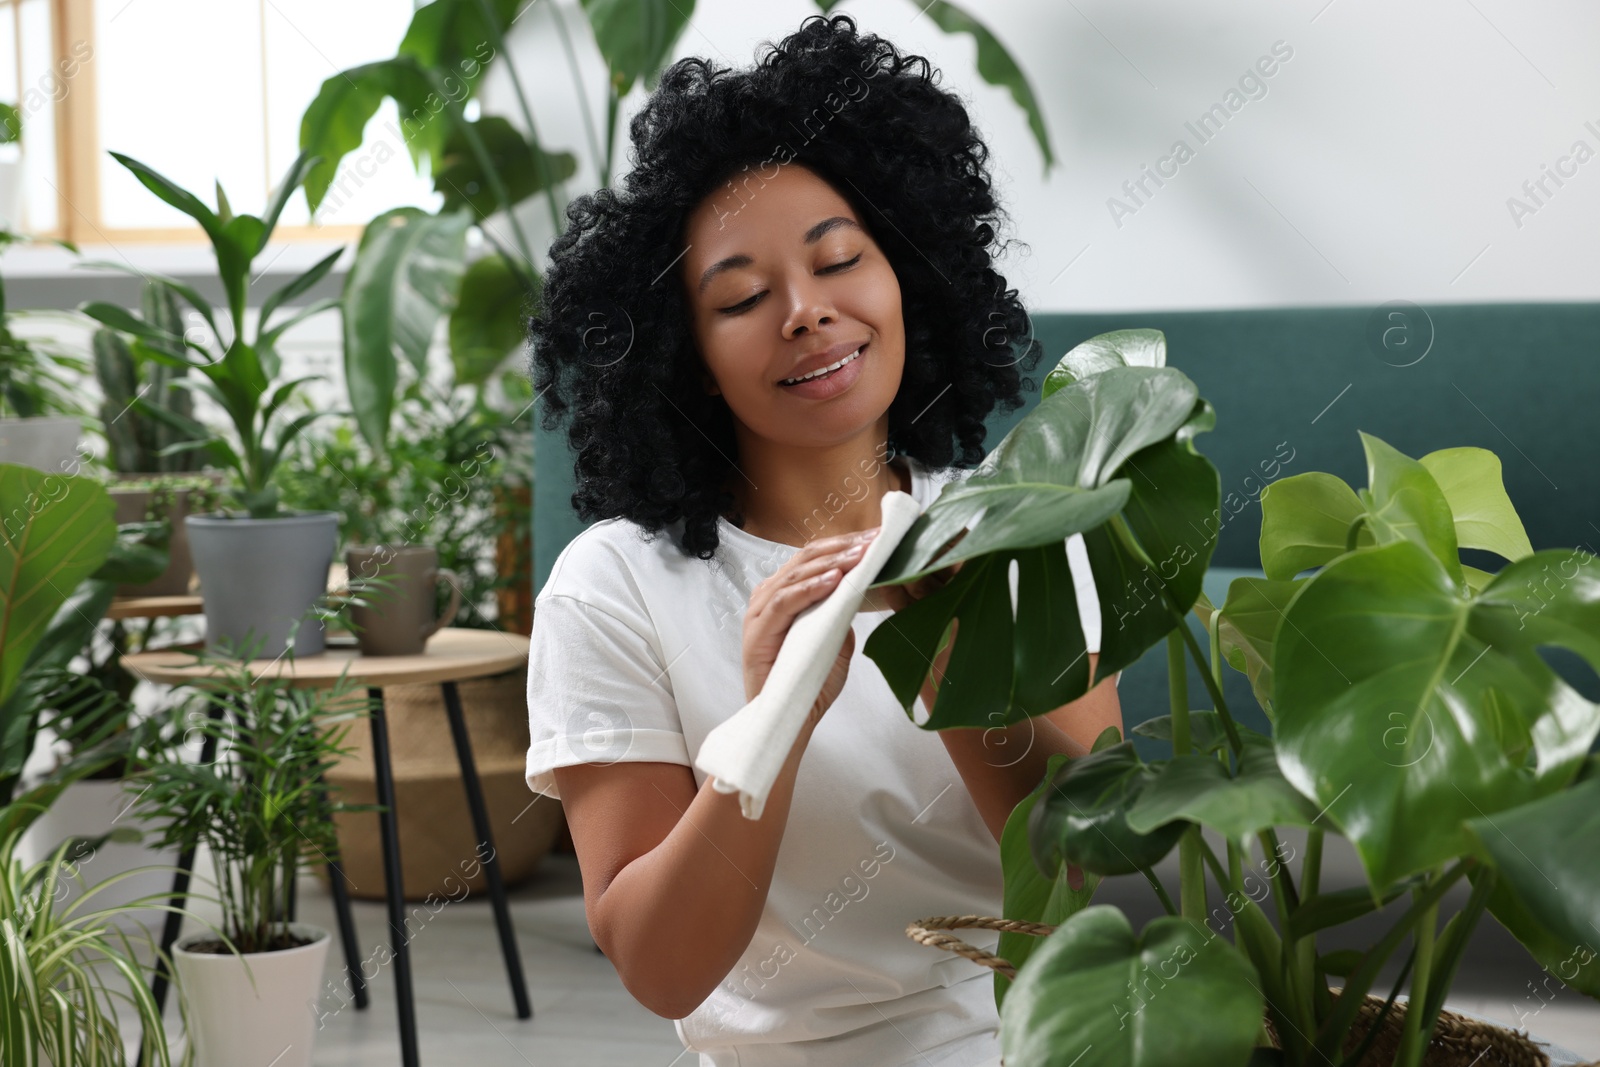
[(262, 571), (262, 810), (1411, 713)]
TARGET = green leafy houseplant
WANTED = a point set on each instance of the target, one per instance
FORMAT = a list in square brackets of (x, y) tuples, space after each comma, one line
[(259, 807), (1411, 713), (36, 377), (434, 486), (238, 367), (63, 969)]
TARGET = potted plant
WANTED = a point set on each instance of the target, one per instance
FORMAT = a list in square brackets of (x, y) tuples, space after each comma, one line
[(40, 419), (262, 568), (435, 485), (152, 484), (1411, 714), (55, 596), (261, 810)]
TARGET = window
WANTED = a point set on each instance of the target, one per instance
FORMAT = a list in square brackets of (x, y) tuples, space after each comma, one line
[(202, 91)]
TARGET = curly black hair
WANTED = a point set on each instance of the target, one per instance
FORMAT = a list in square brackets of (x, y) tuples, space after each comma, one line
[(617, 350)]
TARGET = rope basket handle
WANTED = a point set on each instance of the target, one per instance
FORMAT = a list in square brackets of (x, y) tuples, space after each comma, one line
[(925, 931)]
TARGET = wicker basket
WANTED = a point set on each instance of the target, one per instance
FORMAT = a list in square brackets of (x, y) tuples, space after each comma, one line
[(1458, 1041)]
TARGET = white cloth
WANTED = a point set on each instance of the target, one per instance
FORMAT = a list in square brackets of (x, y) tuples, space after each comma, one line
[(636, 654), (746, 754)]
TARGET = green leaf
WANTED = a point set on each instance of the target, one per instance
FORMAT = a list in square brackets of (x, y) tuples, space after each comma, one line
[(10, 124), (1198, 788), (486, 324), (1574, 963), (1099, 449), (1407, 705), (1250, 618), (58, 531), (292, 180), (1305, 523), (460, 178), (1205, 730), (1536, 850), (636, 36), (1484, 517), (1340, 906), (334, 123), (1031, 895), (406, 274), (452, 37), (311, 276), (996, 67), (1083, 819), (1405, 502), (1096, 995), (1119, 348), (173, 194)]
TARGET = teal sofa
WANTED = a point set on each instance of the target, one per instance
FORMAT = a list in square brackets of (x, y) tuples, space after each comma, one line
[(1291, 388)]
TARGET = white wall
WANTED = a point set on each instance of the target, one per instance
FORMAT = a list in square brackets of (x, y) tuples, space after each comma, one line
[(1378, 165)]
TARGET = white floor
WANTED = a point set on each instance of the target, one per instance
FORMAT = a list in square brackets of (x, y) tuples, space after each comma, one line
[(583, 1015)]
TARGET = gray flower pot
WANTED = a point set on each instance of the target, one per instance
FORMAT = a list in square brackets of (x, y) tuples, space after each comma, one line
[(258, 576)]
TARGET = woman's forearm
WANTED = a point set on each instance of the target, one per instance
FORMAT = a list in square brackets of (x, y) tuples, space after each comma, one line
[(677, 918)]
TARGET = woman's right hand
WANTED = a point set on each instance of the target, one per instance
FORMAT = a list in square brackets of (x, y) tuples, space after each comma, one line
[(804, 579)]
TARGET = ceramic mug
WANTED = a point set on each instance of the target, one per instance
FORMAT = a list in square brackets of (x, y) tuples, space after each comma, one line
[(402, 617)]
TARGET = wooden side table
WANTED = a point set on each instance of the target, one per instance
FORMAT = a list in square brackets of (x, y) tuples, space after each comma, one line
[(452, 655)]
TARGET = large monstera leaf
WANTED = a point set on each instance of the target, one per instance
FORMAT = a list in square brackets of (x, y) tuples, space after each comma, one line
[(1096, 994), (1107, 456), (1408, 704)]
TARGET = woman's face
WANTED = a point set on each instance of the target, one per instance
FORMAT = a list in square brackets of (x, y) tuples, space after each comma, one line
[(778, 271)]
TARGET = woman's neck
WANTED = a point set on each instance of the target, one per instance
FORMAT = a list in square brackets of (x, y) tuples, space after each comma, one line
[(796, 511)]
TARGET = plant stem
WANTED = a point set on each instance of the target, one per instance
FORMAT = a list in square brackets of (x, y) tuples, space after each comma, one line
[(1191, 874), (1161, 890), (1413, 1034), (539, 159), (577, 84), (611, 131)]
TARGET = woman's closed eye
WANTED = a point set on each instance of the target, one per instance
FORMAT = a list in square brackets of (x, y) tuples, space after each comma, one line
[(746, 305)]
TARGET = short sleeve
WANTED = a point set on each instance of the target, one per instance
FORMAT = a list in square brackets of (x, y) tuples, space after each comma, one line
[(597, 693)]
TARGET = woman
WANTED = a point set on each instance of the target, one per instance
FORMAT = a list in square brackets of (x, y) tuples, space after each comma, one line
[(823, 216)]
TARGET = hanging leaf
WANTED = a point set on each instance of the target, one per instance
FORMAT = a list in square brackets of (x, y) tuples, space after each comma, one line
[(334, 123), (486, 324), (1198, 788), (406, 274), (996, 67), (461, 180), (636, 36)]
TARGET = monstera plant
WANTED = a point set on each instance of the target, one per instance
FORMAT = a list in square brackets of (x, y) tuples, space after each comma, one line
[(1412, 712)]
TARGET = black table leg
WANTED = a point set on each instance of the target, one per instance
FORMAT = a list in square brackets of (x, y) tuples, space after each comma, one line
[(389, 831), (486, 852), (347, 932), (180, 884)]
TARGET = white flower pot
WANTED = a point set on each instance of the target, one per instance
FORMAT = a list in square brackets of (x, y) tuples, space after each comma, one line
[(233, 1023), (90, 808)]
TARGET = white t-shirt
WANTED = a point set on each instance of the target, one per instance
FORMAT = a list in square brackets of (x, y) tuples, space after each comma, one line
[(636, 654)]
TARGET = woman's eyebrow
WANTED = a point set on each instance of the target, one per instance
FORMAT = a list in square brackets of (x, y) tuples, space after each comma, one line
[(812, 236)]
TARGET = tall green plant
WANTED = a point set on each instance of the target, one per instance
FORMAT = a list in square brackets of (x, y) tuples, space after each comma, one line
[(238, 367), (261, 808), (1412, 713)]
